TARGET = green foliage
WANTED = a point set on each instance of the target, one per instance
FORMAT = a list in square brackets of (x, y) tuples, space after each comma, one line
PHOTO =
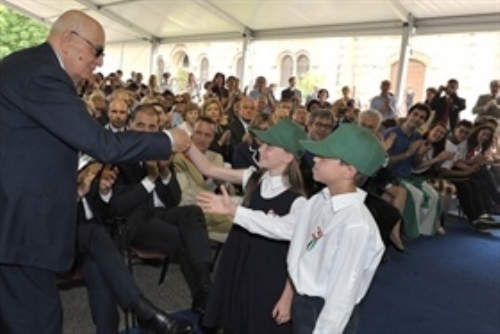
[(18, 32), (307, 81), (181, 76)]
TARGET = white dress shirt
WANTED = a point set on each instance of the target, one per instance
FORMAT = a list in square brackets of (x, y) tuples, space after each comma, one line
[(339, 263), (151, 186), (267, 223), (460, 153)]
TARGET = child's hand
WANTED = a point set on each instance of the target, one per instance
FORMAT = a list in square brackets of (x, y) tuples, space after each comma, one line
[(281, 311), (212, 203)]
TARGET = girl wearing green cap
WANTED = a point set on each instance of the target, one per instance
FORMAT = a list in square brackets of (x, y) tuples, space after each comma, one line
[(251, 292)]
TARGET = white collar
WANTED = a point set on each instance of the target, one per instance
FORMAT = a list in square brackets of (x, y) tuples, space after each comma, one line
[(339, 202), (271, 186)]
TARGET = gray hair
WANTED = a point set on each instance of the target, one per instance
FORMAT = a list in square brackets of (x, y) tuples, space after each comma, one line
[(320, 113), (372, 113)]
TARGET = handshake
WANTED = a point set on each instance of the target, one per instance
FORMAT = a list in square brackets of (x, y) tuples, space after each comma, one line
[(181, 141)]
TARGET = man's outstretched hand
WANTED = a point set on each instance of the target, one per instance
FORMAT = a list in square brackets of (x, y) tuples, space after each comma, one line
[(182, 141)]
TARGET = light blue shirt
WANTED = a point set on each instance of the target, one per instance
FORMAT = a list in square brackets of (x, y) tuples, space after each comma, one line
[(379, 103)]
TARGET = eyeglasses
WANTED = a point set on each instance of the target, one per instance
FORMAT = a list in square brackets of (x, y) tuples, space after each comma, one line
[(324, 126), (98, 49)]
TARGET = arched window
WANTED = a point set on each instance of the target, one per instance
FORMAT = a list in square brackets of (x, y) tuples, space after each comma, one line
[(185, 61), (302, 65), (286, 70), (239, 68), (204, 70), (415, 79), (181, 59)]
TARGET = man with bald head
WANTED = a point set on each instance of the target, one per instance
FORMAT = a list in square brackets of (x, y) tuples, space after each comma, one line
[(117, 115), (43, 126)]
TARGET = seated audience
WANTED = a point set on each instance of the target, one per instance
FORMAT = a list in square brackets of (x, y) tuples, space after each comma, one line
[(192, 182), (239, 125), (431, 156), (299, 115), (421, 214), (474, 200), (189, 116), (323, 96), (117, 116), (212, 109)]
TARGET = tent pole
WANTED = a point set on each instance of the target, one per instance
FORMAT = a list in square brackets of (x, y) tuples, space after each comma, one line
[(404, 56), (155, 48), (246, 40)]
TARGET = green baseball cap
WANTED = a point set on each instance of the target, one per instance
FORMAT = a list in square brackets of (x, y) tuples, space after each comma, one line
[(285, 134), (352, 144)]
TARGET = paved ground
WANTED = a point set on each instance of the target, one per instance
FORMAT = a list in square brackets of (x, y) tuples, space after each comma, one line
[(173, 294)]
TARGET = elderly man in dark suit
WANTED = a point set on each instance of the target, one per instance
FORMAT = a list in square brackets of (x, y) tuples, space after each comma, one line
[(43, 125)]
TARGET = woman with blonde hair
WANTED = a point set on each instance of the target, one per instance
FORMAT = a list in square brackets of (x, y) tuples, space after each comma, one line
[(212, 108), (153, 87), (192, 87)]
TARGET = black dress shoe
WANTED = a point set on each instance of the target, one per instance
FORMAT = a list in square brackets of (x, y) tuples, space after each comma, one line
[(153, 320), (220, 330), (163, 323)]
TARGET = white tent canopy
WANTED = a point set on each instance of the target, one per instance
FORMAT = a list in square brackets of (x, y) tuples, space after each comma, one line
[(171, 21), (184, 21)]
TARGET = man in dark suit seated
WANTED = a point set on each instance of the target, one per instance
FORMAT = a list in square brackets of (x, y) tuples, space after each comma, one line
[(147, 195), (107, 278), (239, 125), (43, 126), (117, 116)]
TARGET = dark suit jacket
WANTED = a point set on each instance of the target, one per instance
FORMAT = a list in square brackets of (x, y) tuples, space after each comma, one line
[(288, 94), (43, 125), (439, 105), (132, 201), (237, 131), (245, 156)]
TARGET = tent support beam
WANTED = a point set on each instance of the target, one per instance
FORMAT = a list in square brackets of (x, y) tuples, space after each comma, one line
[(217, 11), (247, 37), (404, 56), (118, 19), (155, 50)]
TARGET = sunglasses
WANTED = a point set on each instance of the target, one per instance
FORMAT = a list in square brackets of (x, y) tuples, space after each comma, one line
[(98, 49)]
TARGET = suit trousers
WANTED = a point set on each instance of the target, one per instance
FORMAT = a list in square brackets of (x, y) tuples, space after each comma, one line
[(180, 232), (29, 301), (108, 280), (472, 197)]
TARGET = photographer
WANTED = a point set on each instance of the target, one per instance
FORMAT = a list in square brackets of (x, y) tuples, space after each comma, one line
[(448, 105)]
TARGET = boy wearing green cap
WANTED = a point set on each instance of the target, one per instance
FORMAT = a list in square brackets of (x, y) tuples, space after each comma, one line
[(335, 245)]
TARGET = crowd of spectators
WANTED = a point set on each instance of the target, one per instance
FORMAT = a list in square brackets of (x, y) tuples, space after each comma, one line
[(433, 155)]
